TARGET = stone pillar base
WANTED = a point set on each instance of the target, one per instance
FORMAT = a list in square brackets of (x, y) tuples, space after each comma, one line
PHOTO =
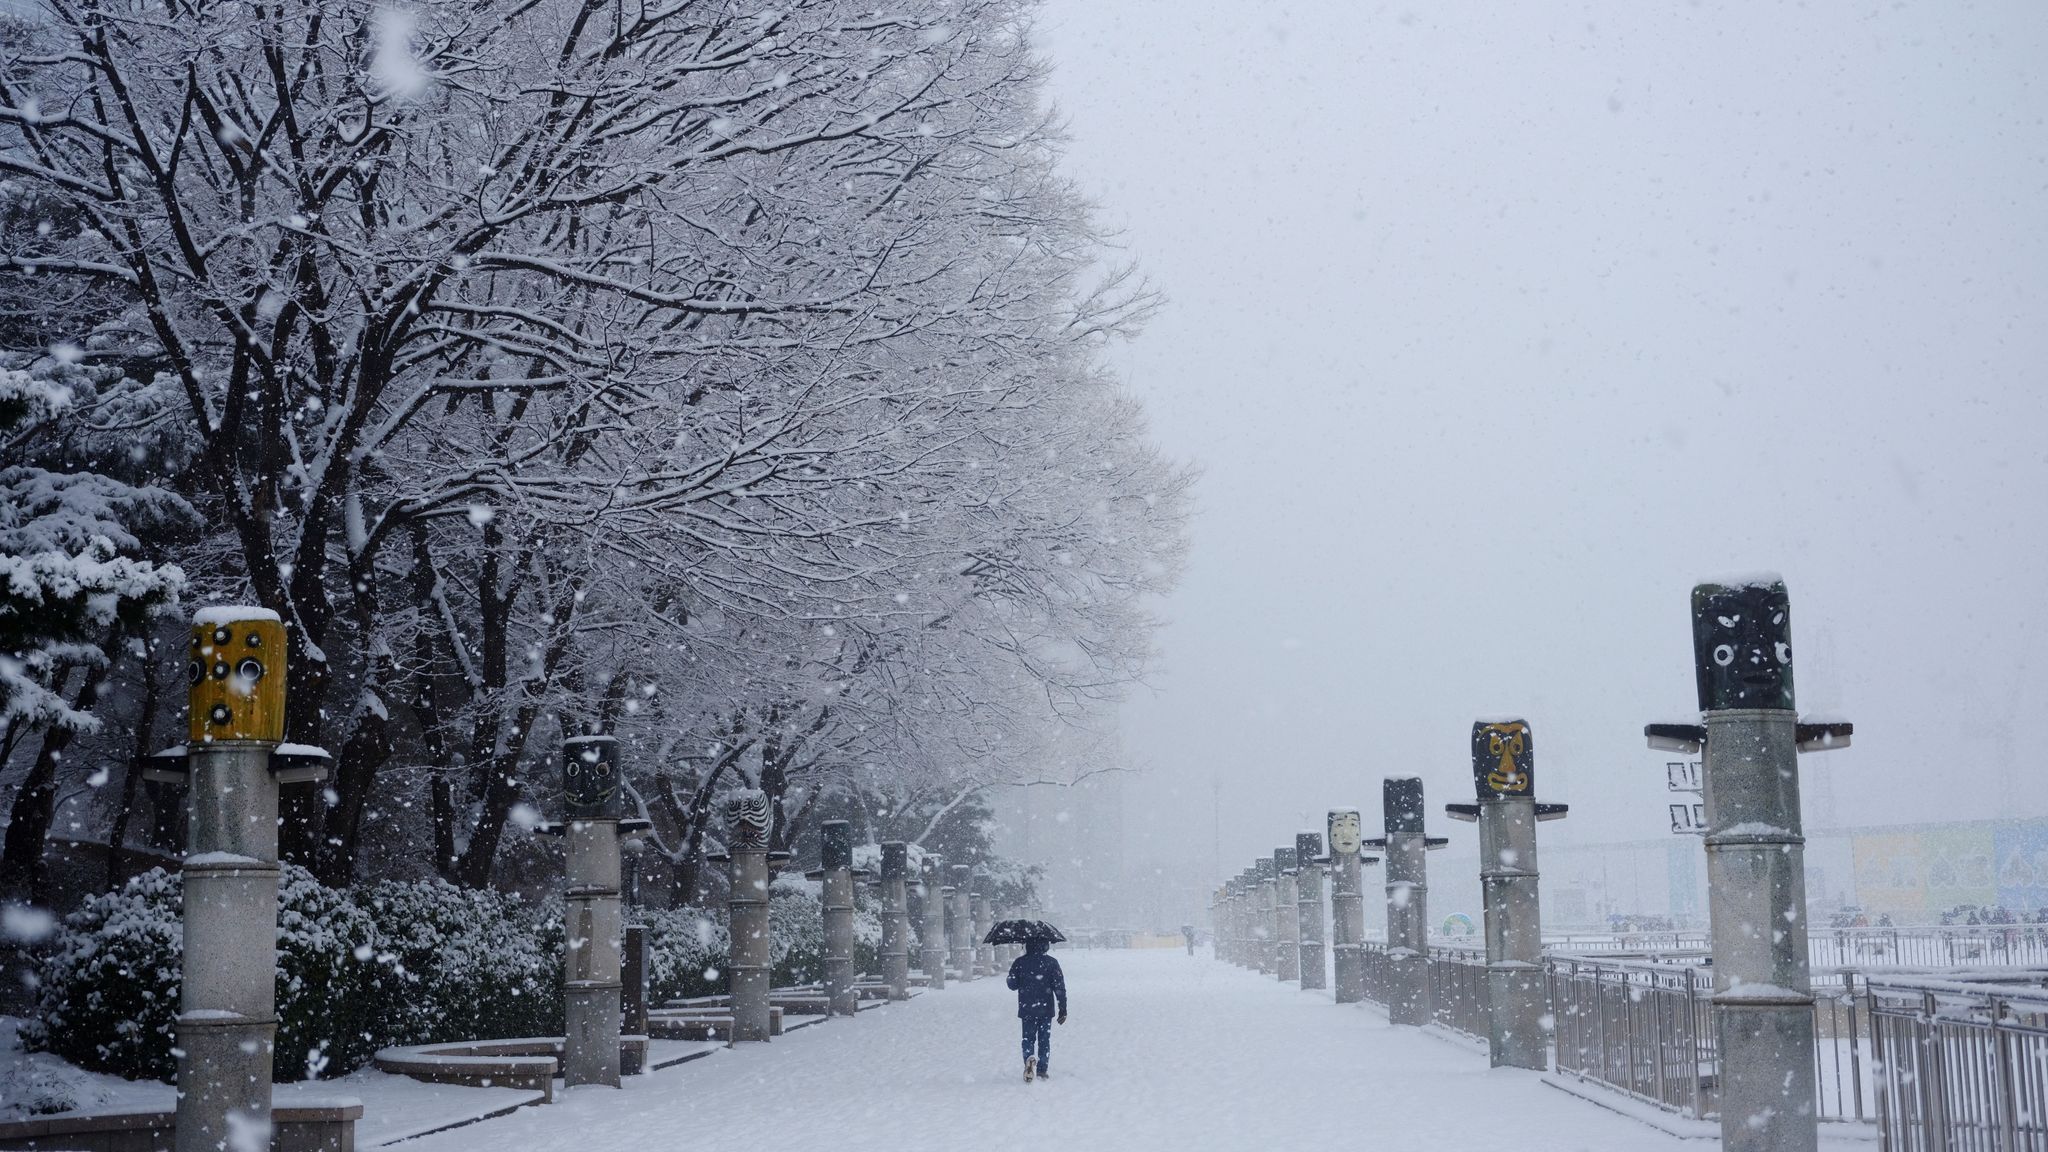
[(590, 1051)]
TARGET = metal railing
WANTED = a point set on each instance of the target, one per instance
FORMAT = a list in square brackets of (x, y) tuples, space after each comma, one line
[(1642, 1029), (1859, 949), (1961, 1066), (1460, 998)]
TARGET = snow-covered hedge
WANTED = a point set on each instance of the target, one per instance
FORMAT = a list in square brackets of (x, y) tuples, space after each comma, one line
[(391, 963), (387, 964)]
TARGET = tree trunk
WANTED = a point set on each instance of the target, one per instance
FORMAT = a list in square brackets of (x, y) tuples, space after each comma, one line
[(131, 780), (22, 873)]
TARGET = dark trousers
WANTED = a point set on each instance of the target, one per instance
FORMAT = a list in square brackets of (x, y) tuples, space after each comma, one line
[(1038, 1029)]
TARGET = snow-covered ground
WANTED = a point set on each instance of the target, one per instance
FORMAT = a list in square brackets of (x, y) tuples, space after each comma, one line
[(1161, 1052)]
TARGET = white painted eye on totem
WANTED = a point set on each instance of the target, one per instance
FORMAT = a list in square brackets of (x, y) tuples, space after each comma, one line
[(1784, 652), (1724, 654)]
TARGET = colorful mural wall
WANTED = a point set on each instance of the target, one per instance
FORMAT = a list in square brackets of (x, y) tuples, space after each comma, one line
[(1916, 873)]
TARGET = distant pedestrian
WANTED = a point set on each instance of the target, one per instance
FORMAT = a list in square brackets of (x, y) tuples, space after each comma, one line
[(1041, 987), (1188, 931)]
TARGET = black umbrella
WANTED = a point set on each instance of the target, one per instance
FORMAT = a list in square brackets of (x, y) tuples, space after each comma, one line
[(1022, 932)]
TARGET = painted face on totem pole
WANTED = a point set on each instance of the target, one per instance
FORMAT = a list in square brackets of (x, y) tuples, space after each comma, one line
[(835, 845), (1742, 645), (1503, 758), (590, 777), (1307, 847), (746, 819), (1347, 832), (1401, 799), (237, 676)]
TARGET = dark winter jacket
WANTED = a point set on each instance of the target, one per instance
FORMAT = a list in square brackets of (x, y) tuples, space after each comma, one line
[(1039, 984)]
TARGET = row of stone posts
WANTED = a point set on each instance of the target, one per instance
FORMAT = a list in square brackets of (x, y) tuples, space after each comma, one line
[(1750, 735)]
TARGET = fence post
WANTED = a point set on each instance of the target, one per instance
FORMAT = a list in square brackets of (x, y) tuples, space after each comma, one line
[(2008, 1100)]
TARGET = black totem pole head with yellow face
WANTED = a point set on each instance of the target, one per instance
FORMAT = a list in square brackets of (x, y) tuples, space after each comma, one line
[(1503, 758), (1742, 644)]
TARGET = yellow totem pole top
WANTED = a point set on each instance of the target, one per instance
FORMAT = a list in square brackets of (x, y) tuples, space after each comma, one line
[(237, 674)]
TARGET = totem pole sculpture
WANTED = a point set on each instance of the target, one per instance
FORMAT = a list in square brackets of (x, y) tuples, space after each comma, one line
[(1756, 871), (750, 969), (1408, 999), (1308, 903), (896, 919), (1264, 900), (960, 920), (1504, 774), (836, 875), (1286, 922), (932, 948), (1219, 922), (1248, 936), (593, 921), (1347, 903), (227, 1007), (984, 919)]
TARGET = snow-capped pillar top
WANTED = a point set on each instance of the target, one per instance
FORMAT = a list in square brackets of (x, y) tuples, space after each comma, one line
[(1284, 861), (1264, 868), (237, 677), (590, 778), (835, 844), (1742, 644), (895, 861), (1503, 759), (1308, 848), (1401, 802)]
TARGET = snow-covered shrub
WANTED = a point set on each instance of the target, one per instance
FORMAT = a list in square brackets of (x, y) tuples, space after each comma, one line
[(109, 982), (688, 948), (867, 937), (323, 962), (796, 930), (41, 1084), (395, 963), (461, 963)]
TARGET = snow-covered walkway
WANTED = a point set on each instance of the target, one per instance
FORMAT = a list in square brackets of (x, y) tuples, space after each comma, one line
[(1161, 1052)]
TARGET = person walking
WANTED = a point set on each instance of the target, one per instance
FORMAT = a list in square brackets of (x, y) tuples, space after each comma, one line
[(1188, 931), (1041, 987)]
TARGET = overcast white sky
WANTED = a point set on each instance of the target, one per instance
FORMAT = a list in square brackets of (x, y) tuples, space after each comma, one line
[(1496, 326)]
